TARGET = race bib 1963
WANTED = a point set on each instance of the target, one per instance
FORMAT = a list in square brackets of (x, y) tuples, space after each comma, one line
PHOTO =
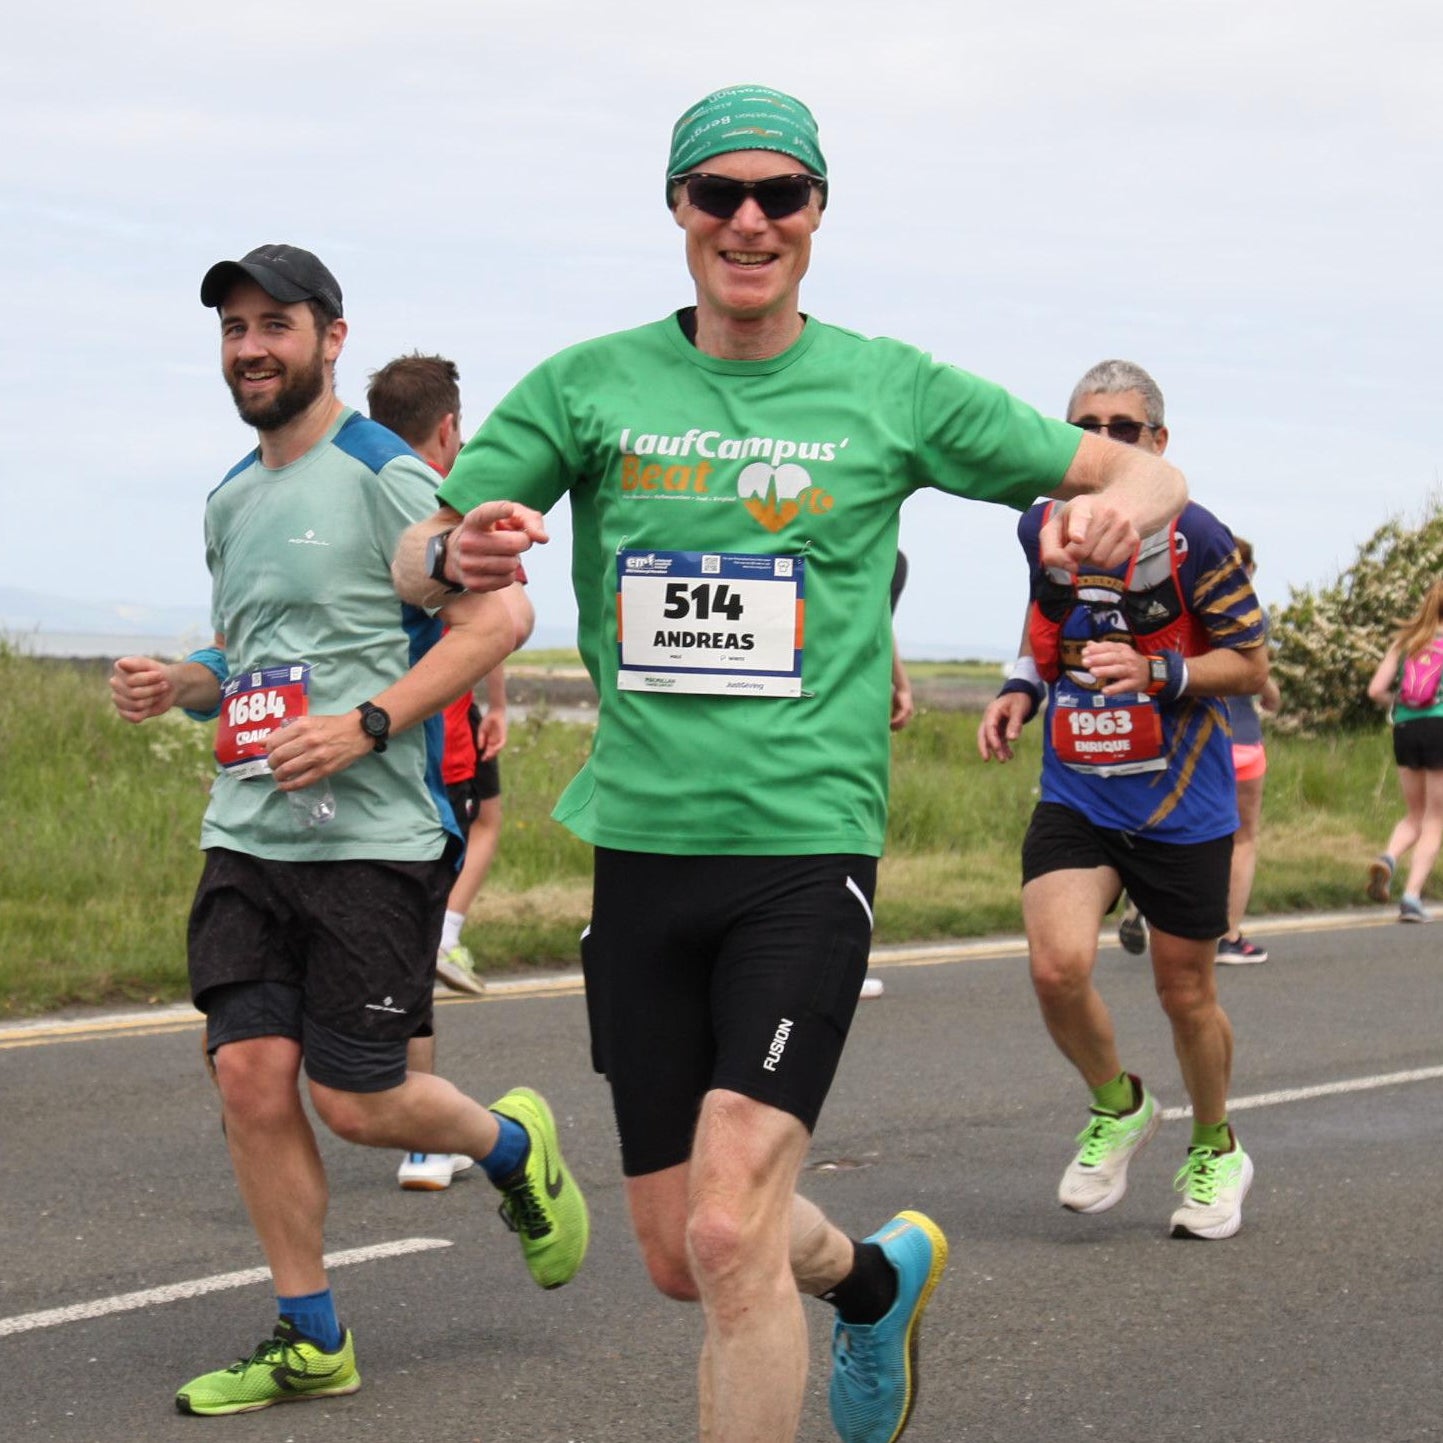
[(252, 705), (718, 624), (1106, 735)]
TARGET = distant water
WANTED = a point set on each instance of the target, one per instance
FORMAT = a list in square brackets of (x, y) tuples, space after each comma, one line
[(88, 644)]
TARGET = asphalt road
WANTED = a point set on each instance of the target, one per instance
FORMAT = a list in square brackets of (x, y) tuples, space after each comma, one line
[(1321, 1322)]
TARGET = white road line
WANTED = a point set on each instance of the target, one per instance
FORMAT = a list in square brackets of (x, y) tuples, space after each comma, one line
[(1323, 1089), (197, 1287)]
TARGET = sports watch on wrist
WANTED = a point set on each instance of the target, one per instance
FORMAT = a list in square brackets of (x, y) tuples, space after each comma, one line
[(436, 561), (375, 723), (1157, 677)]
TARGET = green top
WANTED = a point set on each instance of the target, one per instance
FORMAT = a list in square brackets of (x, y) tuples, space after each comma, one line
[(809, 454), (300, 562)]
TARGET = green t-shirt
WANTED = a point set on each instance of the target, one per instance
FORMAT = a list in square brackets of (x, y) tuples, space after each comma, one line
[(809, 454), (300, 563)]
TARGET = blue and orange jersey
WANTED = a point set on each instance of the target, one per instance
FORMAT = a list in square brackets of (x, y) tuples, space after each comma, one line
[(1186, 590)]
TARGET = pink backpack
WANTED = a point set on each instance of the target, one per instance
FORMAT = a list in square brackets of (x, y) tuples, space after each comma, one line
[(1421, 672)]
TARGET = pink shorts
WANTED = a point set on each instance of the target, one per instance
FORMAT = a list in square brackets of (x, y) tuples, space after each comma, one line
[(1249, 762)]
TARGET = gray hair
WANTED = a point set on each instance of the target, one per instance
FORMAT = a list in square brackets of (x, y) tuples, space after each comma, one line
[(1111, 378)]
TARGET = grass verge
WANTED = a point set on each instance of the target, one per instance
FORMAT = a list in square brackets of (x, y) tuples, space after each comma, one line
[(98, 855)]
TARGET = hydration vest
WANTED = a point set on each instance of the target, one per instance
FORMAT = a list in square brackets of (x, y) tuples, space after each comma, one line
[(1140, 603)]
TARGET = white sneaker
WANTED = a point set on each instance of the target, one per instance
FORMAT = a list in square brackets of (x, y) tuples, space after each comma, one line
[(1213, 1185), (430, 1171), (457, 969), (872, 987), (1096, 1178)]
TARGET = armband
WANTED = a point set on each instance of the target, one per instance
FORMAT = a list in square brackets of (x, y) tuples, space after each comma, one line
[(212, 658), (1023, 677), (1166, 676)]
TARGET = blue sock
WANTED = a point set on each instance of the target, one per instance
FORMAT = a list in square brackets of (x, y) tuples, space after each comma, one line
[(314, 1314), (510, 1150)]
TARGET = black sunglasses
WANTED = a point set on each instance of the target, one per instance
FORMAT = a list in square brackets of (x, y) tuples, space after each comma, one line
[(778, 195), (1119, 428)]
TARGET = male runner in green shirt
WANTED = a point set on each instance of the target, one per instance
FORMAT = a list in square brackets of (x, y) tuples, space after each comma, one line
[(735, 473)]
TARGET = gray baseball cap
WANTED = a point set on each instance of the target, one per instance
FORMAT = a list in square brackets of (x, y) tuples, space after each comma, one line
[(285, 273)]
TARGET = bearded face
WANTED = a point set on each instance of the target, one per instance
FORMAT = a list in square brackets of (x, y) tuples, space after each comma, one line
[(271, 391)]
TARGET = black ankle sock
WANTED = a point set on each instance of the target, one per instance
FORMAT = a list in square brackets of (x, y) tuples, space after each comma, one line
[(867, 1293)]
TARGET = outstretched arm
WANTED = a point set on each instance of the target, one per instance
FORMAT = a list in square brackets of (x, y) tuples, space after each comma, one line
[(481, 551), (1114, 496)]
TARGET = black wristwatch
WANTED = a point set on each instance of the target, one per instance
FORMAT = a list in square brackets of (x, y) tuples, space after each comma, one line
[(436, 561), (375, 723)]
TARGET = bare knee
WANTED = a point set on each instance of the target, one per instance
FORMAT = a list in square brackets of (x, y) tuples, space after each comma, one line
[(717, 1243), (1188, 998), (658, 1204), (352, 1116), (669, 1270), (257, 1082), (1060, 978)]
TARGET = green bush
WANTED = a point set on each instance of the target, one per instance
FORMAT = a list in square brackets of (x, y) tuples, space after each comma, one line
[(1328, 641)]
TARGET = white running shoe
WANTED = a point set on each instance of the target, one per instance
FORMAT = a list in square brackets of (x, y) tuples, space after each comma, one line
[(430, 1171), (872, 987), (457, 969), (1096, 1178), (1213, 1185)]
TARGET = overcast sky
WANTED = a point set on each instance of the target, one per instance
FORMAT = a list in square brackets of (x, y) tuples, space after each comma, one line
[(1241, 196)]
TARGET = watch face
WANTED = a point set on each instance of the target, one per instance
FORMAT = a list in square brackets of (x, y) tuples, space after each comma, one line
[(375, 722), (436, 558)]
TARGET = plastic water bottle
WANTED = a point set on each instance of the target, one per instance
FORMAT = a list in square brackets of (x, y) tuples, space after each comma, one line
[(313, 806)]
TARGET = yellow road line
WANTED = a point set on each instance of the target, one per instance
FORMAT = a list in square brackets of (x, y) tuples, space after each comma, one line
[(924, 954)]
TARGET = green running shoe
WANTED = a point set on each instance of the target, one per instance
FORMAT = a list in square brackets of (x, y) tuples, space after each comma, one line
[(874, 1365), (1096, 1178), (286, 1368), (1213, 1185), (541, 1202)]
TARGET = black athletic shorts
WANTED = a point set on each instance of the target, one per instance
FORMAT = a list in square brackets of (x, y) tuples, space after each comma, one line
[(1180, 888), (1418, 744), (720, 972), (345, 953), (466, 797)]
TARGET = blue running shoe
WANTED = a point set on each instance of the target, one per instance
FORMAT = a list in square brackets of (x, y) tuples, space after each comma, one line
[(874, 1365)]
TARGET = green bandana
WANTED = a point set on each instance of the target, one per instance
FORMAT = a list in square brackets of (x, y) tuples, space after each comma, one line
[(745, 117)]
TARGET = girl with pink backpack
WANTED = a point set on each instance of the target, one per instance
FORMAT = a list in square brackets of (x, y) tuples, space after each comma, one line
[(1408, 677)]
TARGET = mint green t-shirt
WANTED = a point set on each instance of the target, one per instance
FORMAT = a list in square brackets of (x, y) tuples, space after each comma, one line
[(300, 563), (810, 454)]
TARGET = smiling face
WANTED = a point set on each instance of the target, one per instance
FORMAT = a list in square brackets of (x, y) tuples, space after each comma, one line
[(748, 270), (274, 359)]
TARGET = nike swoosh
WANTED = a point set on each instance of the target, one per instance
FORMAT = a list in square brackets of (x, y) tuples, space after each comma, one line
[(288, 1377), (554, 1183)]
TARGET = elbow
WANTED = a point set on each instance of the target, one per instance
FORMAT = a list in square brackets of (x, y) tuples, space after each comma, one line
[(1179, 488), (522, 613)]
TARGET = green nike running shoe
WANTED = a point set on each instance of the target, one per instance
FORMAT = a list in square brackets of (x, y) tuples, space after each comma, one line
[(286, 1368), (541, 1203)]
